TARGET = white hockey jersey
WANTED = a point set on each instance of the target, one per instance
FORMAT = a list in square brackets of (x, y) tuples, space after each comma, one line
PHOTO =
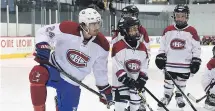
[(180, 45), (126, 60), (209, 76), (72, 55)]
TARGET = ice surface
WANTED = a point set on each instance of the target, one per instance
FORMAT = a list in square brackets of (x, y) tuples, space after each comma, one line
[(15, 93)]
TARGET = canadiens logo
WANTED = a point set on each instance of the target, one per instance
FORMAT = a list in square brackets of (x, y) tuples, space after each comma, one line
[(133, 66), (177, 44), (77, 58)]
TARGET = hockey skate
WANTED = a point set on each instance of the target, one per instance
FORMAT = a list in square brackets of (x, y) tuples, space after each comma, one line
[(210, 102), (165, 100), (179, 100), (142, 107)]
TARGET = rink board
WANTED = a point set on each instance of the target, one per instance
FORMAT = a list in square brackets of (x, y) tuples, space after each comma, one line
[(21, 47)]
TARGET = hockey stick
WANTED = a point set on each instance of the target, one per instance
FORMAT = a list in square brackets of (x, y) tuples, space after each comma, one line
[(194, 99), (144, 100), (180, 89), (156, 98), (82, 84)]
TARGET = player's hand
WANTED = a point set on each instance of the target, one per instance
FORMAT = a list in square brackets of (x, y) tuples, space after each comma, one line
[(106, 91), (160, 60), (42, 52), (141, 81), (127, 81), (195, 64)]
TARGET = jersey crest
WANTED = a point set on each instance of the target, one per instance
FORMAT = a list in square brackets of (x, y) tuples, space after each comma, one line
[(77, 58), (133, 65), (177, 44)]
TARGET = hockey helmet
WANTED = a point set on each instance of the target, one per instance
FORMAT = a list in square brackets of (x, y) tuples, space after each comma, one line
[(124, 26), (89, 15), (130, 10), (181, 9)]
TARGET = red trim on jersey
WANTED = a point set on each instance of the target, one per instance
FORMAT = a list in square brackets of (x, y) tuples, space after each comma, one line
[(142, 73), (169, 28), (102, 41), (70, 27), (211, 64), (145, 34), (118, 73), (178, 64), (115, 35), (142, 47), (117, 47), (193, 32)]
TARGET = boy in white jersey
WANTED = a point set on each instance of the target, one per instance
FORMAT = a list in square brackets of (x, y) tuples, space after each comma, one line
[(179, 53), (129, 57), (208, 82), (79, 47)]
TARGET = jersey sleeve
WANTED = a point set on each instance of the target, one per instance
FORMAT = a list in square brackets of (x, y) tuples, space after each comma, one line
[(117, 59), (196, 50), (163, 45), (100, 69), (47, 33), (209, 75)]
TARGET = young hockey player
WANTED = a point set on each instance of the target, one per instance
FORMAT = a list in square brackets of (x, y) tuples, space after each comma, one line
[(133, 11), (179, 53), (208, 82), (79, 48), (130, 61)]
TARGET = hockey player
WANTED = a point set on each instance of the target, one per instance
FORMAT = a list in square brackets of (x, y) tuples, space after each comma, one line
[(133, 11), (79, 48), (129, 57), (208, 82), (179, 53)]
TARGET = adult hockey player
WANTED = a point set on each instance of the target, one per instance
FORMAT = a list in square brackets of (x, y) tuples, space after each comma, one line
[(79, 48), (133, 11), (208, 82), (129, 57), (179, 53)]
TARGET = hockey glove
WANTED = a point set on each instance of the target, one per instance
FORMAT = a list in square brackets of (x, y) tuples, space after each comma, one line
[(127, 81), (195, 64), (106, 91), (42, 52), (141, 81), (160, 60)]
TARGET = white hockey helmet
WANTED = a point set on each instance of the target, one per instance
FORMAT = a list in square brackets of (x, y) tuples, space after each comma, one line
[(89, 15)]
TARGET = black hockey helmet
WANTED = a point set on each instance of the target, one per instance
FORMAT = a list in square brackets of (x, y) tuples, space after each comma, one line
[(124, 24), (130, 10), (181, 9), (213, 50)]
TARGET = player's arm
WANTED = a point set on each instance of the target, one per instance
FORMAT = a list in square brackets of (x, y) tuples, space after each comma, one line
[(196, 52), (47, 33), (43, 38), (160, 60), (100, 70), (208, 78)]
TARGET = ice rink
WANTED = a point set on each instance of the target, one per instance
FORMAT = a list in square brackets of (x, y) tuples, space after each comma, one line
[(15, 93)]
